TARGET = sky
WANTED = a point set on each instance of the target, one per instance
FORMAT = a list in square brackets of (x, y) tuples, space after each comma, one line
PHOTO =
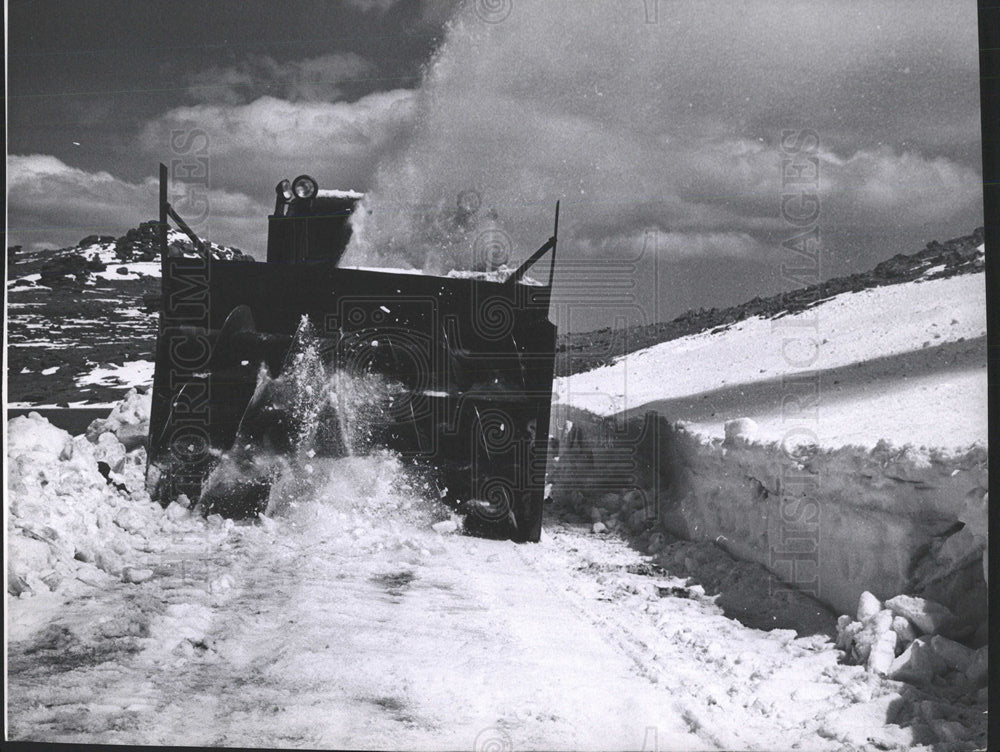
[(658, 125)]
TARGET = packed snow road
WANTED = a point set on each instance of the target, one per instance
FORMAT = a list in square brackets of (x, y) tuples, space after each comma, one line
[(332, 629), (347, 621)]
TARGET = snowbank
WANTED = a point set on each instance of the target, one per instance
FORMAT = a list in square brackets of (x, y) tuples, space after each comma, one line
[(850, 328), (833, 523), (78, 508)]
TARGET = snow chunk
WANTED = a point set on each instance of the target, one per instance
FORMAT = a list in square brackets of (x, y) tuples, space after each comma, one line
[(33, 433), (445, 527), (334, 193), (929, 617), (919, 663), (128, 421), (136, 575), (868, 606), (743, 429)]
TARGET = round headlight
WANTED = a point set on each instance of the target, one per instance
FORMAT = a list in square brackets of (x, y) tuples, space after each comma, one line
[(304, 187), (284, 189)]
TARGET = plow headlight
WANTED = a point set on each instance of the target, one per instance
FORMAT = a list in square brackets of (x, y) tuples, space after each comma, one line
[(284, 190), (304, 187)]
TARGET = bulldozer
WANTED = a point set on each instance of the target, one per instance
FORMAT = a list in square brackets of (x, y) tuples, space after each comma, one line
[(463, 366)]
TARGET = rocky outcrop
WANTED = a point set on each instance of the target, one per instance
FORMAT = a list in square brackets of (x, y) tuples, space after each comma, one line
[(68, 268), (142, 243), (96, 240)]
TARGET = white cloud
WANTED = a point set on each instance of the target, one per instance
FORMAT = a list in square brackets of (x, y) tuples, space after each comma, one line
[(866, 187), (905, 188), (252, 146), (672, 245), (367, 6)]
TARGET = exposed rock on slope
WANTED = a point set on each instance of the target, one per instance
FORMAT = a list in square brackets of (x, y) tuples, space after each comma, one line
[(142, 244), (95, 253)]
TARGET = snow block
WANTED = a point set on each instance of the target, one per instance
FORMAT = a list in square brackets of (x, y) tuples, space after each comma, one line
[(136, 575), (445, 527), (977, 672), (925, 615), (957, 657), (868, 606), (128, 421), (904, 631), (883, 653), (744, 429)]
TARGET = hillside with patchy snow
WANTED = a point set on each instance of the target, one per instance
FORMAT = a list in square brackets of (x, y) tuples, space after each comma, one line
[(82, 320)]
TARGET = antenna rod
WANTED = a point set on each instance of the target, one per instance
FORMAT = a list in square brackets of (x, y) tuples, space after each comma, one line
[(555, 236), (161, 229)]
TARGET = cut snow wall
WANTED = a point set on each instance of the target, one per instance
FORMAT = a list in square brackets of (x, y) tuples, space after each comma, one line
[(833, 523)]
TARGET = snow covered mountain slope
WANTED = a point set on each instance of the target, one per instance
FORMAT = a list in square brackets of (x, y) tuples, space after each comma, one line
[(905, 363)]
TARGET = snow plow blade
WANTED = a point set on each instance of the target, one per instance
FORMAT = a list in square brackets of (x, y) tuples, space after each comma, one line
[(468, 363)]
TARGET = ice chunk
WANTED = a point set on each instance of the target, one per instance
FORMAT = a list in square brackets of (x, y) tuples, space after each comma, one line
[(955, 655), (868, 606), (445, 527), (128, 420), (883, 653), (904, 631), (976, 673), (136, 575), (33, 433)]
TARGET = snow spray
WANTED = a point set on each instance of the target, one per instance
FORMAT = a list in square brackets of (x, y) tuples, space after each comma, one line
[(308, 440)]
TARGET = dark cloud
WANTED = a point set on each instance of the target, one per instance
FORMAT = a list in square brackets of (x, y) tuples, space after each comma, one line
[(322, 78)]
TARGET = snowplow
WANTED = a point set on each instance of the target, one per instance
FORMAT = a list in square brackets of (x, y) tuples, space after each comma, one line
[(257, 363)]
